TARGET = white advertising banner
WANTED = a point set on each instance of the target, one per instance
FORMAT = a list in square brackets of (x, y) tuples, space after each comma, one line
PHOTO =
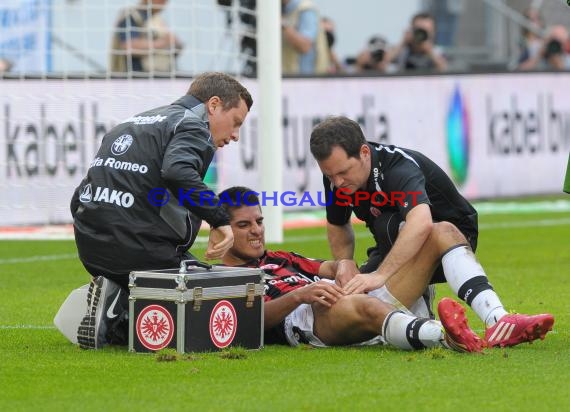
[(496, 135), (24, 34), (50, 131)]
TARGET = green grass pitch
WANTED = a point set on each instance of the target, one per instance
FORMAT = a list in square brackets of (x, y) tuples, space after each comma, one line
[(527, 258)]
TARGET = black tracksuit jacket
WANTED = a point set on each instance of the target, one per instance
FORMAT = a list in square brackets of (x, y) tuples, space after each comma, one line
[(120, 222)]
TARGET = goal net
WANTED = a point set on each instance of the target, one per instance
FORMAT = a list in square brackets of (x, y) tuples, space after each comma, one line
[(59, 95), (75, 37)]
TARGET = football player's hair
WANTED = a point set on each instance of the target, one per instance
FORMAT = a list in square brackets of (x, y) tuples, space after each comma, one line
[(238, 196)]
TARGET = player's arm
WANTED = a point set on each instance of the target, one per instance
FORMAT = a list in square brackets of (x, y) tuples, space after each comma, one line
[(339, 228), (328, 269), (410, 240), (182, 169), (340, 270), (406, 182), (322, 292), (341, 240)]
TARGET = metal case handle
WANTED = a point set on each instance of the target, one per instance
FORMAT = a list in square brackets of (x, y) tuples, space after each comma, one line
[(193, 262)]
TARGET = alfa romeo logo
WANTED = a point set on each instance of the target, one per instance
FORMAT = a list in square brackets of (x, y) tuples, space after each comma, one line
[(223, 324), (155, 327), (121, 144)]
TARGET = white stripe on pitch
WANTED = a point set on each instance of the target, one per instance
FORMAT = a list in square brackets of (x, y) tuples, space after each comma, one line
[(489, 226), (202, 240), (525, 223), (32, 259), (4, 327)]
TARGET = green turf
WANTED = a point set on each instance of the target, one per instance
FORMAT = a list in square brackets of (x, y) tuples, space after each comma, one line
[(527, 257)]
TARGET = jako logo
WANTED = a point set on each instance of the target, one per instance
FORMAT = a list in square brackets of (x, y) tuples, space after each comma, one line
[(103, 194), (458, 138)]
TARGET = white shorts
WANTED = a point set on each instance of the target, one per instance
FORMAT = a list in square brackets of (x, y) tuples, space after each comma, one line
[(298, 327)]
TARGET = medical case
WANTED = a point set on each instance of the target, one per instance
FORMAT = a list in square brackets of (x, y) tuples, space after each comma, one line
[(195, 308)]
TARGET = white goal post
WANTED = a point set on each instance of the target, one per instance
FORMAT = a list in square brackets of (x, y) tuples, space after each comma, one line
[(270, 113)]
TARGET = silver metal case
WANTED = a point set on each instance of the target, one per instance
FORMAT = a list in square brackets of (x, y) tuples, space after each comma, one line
[(195, 308)]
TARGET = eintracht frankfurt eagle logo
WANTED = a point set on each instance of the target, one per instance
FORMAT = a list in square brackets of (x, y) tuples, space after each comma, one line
[(223, 324), (155, 327)]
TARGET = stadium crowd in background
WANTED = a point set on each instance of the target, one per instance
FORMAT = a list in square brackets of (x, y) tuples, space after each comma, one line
[(446, 14), (552, 53), (372, 57), (304, 42), (434, 30), (417, 50), (424, 46), (441, 37), (142, 41), (335, 66), (531, 40)]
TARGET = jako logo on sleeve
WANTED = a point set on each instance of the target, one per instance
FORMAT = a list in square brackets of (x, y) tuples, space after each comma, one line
[(106, 195)]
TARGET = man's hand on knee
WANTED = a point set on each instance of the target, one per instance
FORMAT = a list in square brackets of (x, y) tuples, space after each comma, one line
[(321, 292), (346, 269)]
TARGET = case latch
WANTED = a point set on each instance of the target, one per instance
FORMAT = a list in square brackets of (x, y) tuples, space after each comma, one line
[(197, 295), (250, 294)]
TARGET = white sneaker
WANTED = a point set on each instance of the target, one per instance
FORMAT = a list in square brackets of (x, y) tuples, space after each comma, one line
[(107, 307)]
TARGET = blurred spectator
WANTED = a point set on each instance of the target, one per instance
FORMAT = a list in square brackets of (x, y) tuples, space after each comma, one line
[(417, 50), (304, 42), (330, 32), (246, 17), (531, 42), (5, 65), (372, 57), (553, 54), (142, 41), (446, 14)]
